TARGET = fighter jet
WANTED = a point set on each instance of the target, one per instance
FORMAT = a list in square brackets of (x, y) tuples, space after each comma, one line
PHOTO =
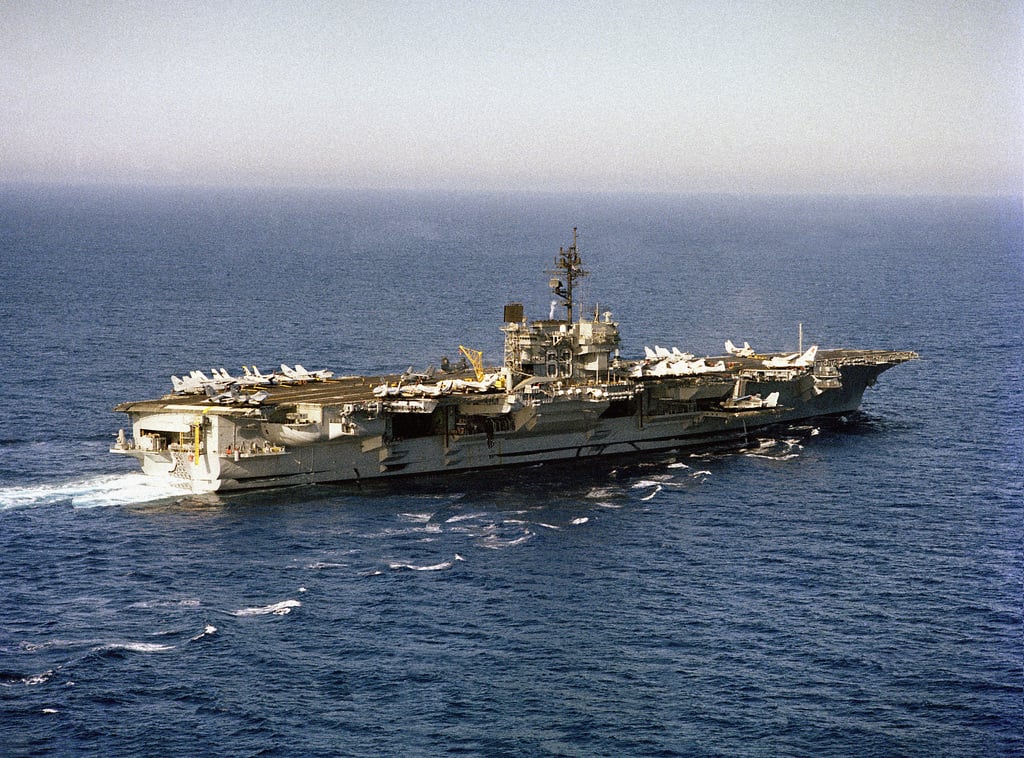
[(187, 385), (300, 374), (254, 378), (229, 397), (793, 360), (741, 352), (233, 397), (752, 402)]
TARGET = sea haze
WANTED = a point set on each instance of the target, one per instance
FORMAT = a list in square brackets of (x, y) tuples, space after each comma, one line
[(837, 589)]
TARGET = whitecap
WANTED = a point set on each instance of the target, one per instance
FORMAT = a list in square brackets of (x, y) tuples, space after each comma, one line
[(492, 542), (278, 609), (464, 517), (411, 567), (654, 481), (786, 455), (42, 678), (580, 520), (190, 602), (678, 465), (137, 647), (418, 517), (654, 492), (208, 631), (50, 710)]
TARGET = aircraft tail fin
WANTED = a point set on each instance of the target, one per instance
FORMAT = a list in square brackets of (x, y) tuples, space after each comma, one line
[(807, 358)]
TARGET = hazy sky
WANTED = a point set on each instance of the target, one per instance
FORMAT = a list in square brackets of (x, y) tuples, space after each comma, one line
[(848, 96)]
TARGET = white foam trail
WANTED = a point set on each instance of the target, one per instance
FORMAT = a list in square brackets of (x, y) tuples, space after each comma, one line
[(791, 451), (652, 482), (278, 609), (464, 517), (654, 492), (190, 602), (111, 489), (410, 567), (496, 543), (418, 517), (138, 647)]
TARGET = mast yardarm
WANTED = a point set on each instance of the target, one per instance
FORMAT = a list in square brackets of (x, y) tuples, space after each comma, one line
[(570, 267)]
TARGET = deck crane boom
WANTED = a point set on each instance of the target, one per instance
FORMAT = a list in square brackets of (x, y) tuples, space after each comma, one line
[(476, 360)]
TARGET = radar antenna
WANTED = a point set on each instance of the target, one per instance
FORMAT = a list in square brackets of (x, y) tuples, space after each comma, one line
[(570, 266)]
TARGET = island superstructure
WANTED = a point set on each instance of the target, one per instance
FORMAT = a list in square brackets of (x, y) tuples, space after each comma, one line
[(562, 392)]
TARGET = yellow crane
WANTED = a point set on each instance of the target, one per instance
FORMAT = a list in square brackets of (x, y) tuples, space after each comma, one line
[(476, 360)]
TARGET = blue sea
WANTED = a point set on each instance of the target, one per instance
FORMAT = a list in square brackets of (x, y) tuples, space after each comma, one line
[(839, 589)]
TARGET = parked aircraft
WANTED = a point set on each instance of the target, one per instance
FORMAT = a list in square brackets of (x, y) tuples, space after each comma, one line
[(741, 352), (752, 402), (187, 385), (793, 360), (300, 374)]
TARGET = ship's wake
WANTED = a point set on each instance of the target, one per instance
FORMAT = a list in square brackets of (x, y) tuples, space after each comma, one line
[(92, 492)]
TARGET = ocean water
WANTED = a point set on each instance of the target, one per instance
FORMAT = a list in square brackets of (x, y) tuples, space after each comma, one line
[(852, 588)]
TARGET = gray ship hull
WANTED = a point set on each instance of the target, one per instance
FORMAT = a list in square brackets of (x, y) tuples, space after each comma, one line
[(346, 434)]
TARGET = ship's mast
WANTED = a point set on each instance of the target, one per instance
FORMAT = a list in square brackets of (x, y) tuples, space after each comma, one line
[(570, 267)]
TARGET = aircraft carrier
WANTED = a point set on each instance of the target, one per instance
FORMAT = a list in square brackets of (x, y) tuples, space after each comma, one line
[(562, 392)]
